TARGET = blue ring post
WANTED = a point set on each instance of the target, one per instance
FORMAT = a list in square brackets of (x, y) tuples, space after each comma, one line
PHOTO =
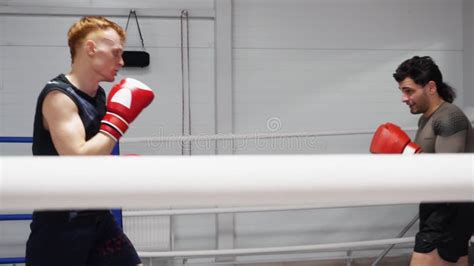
[(16, 139), (16, 217), (12, 260)]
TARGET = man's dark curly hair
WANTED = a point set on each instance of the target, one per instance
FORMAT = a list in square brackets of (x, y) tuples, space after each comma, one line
[(423, 69)]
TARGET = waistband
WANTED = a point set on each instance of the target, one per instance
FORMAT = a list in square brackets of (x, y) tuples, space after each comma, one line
[(69, 215)]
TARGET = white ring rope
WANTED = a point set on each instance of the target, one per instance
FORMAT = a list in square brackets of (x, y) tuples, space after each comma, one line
[(247, 136), (273, 250), (214, 137), (232, 181), (217, 210)]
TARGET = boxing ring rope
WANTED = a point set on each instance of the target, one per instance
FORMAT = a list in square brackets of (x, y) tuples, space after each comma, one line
[(458, 188), (230, 181), (218, 210), (273, 250), (25, 217), (215, 137), (247, 136)]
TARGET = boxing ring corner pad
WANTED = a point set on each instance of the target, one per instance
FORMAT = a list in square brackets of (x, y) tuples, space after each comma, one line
[(233, 180)]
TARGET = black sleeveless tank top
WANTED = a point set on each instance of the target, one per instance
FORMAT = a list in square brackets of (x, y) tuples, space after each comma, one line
[(91, 112)]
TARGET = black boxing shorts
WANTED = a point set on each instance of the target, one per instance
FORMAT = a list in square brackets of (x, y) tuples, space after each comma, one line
[(446, 227), (78, 238)]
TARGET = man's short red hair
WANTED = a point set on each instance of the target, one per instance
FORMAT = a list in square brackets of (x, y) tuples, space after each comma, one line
[(78, 32)]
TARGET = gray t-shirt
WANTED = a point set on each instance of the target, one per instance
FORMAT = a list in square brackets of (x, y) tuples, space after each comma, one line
[(447, 130)]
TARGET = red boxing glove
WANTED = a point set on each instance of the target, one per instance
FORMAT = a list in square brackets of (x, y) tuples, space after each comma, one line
[(125, 102), (390, 138)]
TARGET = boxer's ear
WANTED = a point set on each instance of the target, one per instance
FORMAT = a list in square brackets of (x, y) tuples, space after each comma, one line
[(90, 47)]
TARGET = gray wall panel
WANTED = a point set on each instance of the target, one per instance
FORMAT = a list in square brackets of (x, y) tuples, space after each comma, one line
[(327, 65), (320, 225), (314, 90), (23, 30), (346, 24), (468, 55), (27, 69), (185, 4)]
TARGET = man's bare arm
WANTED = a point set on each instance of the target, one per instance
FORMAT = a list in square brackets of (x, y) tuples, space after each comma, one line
[(61, 118)]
